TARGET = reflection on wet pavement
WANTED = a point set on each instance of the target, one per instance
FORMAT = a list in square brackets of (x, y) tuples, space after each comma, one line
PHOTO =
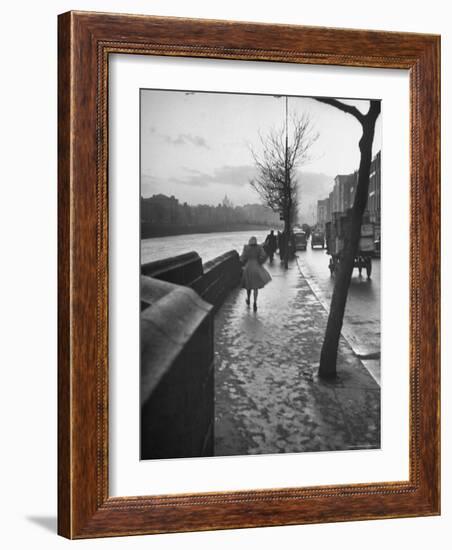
[(268, 398)]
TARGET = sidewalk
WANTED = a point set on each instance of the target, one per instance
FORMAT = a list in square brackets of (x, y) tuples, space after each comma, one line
[(268, 397), (361, 326)]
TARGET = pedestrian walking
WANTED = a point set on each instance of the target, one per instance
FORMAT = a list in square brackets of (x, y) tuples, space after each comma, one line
[(255, 276), (270, 245)]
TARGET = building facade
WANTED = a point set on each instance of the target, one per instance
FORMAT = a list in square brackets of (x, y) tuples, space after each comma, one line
[(323, 212), (160, 210), (342, 196), (374, 198)]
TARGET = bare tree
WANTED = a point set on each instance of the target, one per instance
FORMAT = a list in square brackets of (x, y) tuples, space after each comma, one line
[(328, 356), (276, 164)]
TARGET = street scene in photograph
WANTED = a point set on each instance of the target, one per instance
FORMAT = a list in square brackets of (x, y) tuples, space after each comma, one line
[(260, 274)]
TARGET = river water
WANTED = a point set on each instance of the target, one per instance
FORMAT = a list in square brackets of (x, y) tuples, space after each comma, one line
[(207, 245)]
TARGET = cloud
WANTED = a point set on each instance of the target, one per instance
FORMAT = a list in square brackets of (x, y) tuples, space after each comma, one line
[(148, 184), (193, 171), (187, 139), (234, 176)]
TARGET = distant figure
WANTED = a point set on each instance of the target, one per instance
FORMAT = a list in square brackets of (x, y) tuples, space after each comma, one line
[(270, 245), (254, 275)]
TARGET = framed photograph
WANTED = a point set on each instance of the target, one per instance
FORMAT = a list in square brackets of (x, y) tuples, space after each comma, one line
[(249, 258)]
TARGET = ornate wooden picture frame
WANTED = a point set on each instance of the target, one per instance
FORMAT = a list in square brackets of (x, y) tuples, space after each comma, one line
[(86, 41)]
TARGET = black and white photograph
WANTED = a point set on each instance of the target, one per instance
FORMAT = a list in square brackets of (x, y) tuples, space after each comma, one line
[(260, 224)]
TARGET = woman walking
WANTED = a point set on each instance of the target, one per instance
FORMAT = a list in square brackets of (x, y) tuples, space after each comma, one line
[(254, 275)]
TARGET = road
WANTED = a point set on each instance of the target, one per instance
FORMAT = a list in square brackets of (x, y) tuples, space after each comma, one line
[(362, 315)]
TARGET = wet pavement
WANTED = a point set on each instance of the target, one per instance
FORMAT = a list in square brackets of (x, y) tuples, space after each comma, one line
[(268, 397), (361, 325)]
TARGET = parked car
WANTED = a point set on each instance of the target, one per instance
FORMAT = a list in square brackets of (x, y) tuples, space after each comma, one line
[(336, 230), (317, 239), (300, 240)]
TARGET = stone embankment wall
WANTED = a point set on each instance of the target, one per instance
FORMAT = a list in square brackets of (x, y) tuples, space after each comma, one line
[(212, 281), (178, 298)]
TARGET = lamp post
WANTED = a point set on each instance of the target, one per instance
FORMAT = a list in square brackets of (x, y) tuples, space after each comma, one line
[(286, 190), (287, 194)]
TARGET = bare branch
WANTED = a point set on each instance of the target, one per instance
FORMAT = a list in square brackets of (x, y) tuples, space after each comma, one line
[(276, 182), (343, 107)]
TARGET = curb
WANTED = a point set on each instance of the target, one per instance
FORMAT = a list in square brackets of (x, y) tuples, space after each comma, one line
[(346, 332)]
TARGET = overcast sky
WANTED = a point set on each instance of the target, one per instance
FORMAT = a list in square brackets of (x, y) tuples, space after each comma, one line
[(196, 146)]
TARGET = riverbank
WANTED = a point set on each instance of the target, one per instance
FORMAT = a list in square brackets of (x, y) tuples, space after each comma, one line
[(149, 231)]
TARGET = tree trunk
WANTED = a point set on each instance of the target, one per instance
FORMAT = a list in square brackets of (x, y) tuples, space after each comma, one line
[(328, 356), (287, 222), (287, 229)]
